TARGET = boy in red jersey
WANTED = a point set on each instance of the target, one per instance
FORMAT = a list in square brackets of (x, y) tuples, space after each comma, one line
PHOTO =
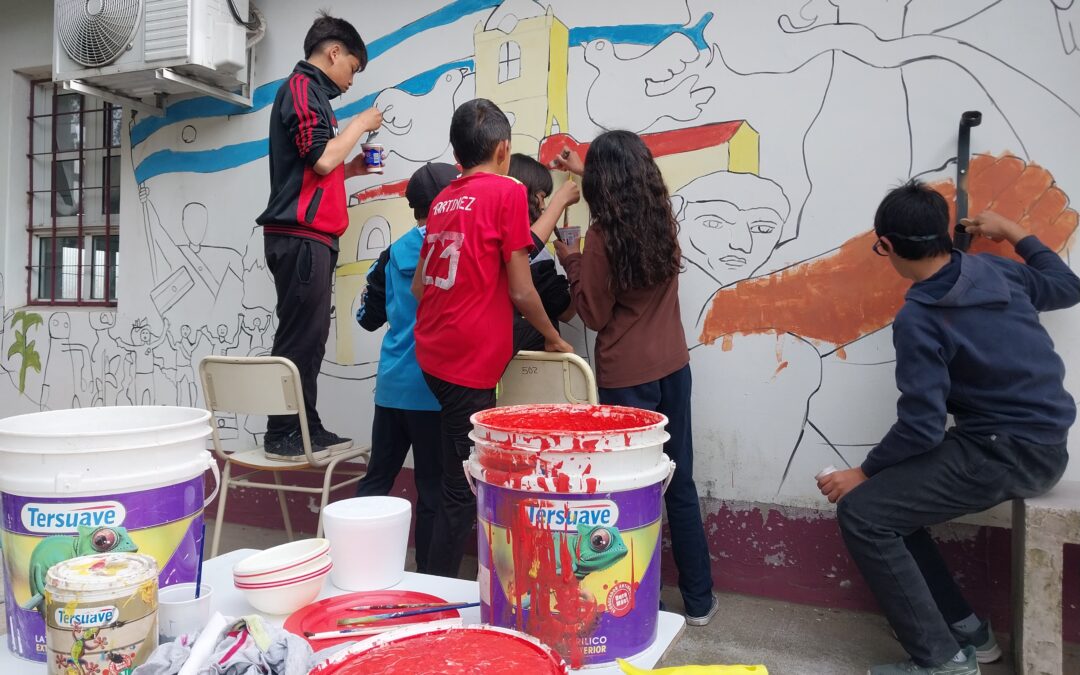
[(473, 272)]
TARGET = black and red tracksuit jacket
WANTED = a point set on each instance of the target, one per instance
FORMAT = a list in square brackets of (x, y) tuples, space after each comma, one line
[(302, 203)]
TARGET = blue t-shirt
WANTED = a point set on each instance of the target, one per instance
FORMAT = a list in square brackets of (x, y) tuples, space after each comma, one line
[(399, 383)]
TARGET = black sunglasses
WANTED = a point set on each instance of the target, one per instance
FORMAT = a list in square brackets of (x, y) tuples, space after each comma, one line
[(883, 251)]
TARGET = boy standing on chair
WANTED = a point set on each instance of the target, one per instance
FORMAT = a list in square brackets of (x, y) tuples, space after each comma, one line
[(968, 343), (473, 272), (306, 214)]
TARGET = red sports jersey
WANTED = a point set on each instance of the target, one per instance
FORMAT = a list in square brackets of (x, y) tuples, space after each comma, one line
[(464, 327)]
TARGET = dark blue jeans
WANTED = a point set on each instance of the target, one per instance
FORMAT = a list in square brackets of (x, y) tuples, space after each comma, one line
[(883, 522), (670, 396), (393, 432)]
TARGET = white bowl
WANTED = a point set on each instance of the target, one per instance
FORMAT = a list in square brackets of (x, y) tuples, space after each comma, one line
[(287, 598), (281, 558), (294, 572)]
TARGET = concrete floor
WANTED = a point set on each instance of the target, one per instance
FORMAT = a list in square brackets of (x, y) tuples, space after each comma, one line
[(789, 639)]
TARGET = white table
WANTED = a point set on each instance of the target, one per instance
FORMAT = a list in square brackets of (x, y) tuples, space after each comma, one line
[(227, 599)]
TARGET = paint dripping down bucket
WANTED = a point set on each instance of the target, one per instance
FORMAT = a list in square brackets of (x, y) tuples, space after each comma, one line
[(569, 517)]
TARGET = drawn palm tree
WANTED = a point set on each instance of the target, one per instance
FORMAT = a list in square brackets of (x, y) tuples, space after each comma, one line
[(24, 348)]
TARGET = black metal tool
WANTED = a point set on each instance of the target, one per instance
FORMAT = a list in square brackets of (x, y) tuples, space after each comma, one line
[(971, 118)]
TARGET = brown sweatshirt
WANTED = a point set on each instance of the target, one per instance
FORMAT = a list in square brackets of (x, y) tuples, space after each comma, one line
[(639, 332)]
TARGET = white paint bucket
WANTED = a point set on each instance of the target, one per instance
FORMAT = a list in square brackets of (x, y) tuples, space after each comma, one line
[(369, 537), (97, 480)]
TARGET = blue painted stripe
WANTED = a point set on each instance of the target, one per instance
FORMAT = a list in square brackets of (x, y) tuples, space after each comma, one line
[(440, 17), (642, 34), (416, 85), (200, 161), (203, 106), (232, 156)]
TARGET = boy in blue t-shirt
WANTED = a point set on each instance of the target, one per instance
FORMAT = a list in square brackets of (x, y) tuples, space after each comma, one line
[(406, 412)]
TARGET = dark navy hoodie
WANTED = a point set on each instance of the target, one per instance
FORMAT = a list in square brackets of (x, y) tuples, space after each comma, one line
[(968, 342)]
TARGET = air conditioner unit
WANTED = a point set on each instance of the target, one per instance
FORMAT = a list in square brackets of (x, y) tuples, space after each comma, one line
[(141, 49)]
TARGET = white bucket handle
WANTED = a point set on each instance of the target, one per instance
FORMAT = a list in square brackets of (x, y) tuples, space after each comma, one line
[(667, 481), (468, 477), (217, 482)]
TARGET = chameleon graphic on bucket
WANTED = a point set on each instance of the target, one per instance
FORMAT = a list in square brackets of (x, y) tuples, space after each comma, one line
[(58, 548), (591, 549)]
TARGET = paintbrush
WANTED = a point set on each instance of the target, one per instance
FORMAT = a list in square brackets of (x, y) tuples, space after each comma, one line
[(408, 612), (350, 632), (403, 605)]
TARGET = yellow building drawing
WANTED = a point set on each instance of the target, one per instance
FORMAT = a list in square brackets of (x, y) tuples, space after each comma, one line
[(521, 57)]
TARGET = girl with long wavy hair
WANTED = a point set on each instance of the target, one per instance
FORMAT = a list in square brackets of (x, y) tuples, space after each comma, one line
[(625, 285)]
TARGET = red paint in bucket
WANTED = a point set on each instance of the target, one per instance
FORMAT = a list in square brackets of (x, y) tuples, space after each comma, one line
[(450, 651)]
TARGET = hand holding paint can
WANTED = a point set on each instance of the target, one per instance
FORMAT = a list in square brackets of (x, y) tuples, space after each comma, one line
[(373, 156), (569, 235), (825, 472)]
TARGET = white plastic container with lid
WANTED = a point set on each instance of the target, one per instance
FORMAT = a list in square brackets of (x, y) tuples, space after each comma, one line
[(101, 610)]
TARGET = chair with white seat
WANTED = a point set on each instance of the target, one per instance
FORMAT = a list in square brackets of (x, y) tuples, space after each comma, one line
[(267, 385)]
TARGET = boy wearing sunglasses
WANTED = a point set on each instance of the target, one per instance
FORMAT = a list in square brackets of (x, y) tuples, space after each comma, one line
[(968, 343)]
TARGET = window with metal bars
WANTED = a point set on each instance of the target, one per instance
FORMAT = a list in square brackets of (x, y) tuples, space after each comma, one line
[(74, 198)]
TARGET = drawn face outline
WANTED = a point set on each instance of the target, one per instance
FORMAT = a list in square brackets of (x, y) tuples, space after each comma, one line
[(730, 243)]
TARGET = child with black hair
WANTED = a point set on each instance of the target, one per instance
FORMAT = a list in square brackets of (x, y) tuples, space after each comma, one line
[(553, 287), (305, 215), (968, 343), (406, 412), (474, 271), (625, 285)]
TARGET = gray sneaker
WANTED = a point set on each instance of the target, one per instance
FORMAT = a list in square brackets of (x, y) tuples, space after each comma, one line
[(704, 620), (969, 666), (983, 640)]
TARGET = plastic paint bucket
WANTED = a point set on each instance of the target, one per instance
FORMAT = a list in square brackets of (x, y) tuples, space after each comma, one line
[(569, 509), (97, 480), (442, 648), (102, 613), (369, 539)]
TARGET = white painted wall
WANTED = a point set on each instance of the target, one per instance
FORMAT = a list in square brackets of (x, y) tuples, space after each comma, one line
[(848, 98)]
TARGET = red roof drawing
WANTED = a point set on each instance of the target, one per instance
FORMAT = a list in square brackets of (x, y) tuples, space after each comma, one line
[(661, 143)]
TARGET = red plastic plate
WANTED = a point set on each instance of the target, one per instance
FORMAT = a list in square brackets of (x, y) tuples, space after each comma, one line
[(322, 616)]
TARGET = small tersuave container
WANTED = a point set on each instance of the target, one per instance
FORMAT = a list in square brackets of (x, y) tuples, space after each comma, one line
[(101, 610), (373, 156)]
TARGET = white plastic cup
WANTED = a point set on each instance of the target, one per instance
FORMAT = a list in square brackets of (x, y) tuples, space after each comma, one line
[(180, 612), (369, 537), (825, 472)]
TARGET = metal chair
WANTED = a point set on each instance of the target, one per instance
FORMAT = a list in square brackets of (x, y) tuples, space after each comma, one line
[(546, 377), (266, 385)]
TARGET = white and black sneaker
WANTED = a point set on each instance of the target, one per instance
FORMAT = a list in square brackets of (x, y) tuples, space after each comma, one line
[(329, 440), (290, 448)]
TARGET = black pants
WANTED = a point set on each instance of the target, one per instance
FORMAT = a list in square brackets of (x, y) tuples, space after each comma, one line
[(670, 396), (883, 522), (456, 517), (393, 432), (303, 271)]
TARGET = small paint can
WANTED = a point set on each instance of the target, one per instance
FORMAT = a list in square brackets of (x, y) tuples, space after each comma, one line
[(569, 235), (101, 613), (373, 156), (825, 472)]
